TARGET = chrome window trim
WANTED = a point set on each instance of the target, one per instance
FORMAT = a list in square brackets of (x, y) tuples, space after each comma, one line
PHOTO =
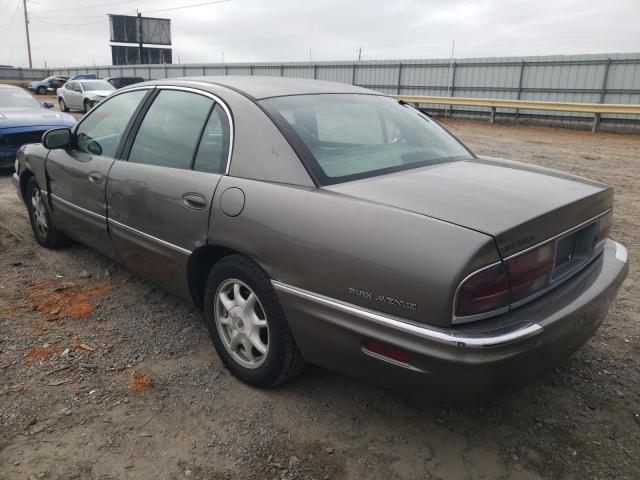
[(218, 101), (150, 237), (472, 318), (499, 337), (78, 208)]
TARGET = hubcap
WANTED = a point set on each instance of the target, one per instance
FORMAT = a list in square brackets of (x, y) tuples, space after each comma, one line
[(39, 212), (241, 323)]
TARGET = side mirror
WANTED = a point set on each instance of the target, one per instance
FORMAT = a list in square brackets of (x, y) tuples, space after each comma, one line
[(47, 104), (57, 138), (94, 147)]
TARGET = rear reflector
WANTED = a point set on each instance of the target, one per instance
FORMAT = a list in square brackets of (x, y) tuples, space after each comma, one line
[(387, 351), (486, 291)]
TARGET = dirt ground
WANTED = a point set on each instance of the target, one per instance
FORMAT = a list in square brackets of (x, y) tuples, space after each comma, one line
[(105, 376)]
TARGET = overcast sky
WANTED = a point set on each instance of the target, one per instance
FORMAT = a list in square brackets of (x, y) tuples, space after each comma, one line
[(76, 32)]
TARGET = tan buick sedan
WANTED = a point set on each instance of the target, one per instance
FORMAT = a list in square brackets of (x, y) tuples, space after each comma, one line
[(321, 222)]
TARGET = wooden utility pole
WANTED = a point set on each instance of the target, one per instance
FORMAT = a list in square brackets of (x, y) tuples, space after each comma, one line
[(26, 27)]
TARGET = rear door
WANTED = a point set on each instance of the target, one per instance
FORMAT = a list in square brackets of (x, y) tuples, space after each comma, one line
[(77, 176), (159, 197)]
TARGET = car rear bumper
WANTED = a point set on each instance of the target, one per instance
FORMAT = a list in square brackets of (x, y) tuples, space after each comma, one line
[(522, 343)]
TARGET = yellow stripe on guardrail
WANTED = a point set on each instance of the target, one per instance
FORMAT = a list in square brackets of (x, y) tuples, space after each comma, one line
[(627, 109)]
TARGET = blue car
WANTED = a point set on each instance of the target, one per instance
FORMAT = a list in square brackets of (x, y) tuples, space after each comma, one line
[(23, 120)]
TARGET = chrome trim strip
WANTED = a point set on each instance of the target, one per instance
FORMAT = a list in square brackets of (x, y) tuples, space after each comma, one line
[(499, 338), (621, 252), (80, 209), (220, 102), (392, 361), (150, 237), (559, 235)]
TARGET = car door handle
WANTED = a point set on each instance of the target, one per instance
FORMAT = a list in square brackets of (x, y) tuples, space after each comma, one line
[(194, 201), (95, 177)]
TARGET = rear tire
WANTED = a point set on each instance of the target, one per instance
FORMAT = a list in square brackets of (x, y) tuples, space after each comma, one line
[(63, 105), (41, 91), (42, 225), (247, 324)]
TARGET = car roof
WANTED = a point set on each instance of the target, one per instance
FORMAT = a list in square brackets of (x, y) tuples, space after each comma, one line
[(9, 87), (260, 87)]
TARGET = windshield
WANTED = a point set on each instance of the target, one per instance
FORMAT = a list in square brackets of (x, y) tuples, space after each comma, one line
[(93, 86), (16, 98), (346, 137)]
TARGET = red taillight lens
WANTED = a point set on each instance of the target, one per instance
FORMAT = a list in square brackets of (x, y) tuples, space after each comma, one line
[(529, 273), (483, 292)]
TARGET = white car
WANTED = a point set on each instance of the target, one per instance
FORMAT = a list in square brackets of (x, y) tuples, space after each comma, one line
[(83, 94)]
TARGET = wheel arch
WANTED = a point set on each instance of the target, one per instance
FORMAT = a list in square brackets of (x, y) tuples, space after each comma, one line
[(200, 263), (24, 180)]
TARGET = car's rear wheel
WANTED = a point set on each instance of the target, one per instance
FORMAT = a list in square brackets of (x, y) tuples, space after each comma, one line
[(63, 105), (43, 228), (42, 90), (247, 324)]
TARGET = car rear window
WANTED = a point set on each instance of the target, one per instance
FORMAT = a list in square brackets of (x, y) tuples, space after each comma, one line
[(343, 137)]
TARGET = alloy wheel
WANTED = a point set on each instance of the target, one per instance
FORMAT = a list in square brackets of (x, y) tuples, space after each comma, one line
[(242, 323), (39, 212)]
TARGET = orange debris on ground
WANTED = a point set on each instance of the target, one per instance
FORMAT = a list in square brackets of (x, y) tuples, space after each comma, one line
[(140, 382), (57, 302), (35, 354)]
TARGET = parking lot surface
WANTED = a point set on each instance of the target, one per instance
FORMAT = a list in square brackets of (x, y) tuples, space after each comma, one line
[(105, 376)]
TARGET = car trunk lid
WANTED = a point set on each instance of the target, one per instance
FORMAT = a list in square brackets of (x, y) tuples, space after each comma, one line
[(518, 204)]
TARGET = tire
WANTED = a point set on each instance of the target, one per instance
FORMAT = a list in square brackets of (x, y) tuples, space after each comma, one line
[(282, 359), (63, 105), (42, 225), (41, 90), (88, 105)]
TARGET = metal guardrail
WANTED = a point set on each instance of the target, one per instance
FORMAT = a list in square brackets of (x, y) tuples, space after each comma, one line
[(494, 103)]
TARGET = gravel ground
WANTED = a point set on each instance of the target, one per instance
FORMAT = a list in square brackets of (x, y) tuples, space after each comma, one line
[(105, 376)]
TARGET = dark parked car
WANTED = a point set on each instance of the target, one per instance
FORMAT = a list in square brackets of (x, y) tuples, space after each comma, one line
[(49, 84), (326, 222), (23, 120), (84, 76), (120, 82)]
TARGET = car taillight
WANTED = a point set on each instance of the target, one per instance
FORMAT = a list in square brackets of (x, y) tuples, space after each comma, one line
[(485, 291), (530, 272)]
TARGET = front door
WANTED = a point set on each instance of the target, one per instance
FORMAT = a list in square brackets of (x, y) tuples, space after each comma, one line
[(160, 198), (76, 177)]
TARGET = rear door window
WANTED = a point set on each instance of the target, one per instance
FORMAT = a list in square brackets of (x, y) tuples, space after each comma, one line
[(214, 144), (170, 131)]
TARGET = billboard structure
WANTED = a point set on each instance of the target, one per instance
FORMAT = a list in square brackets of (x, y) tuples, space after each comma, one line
[(140, 30), (123, 55)]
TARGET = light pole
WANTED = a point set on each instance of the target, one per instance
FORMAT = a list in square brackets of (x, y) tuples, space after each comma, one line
[(26, 27)]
